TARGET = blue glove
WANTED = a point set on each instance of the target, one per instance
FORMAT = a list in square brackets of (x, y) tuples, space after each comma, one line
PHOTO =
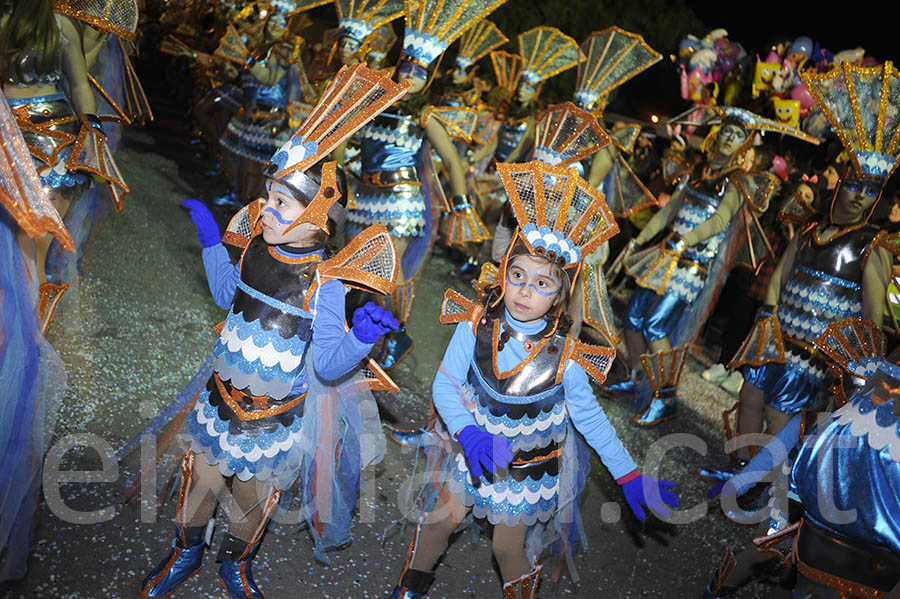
[(645, 490), (207, 228), (372, 321), (484, 452)]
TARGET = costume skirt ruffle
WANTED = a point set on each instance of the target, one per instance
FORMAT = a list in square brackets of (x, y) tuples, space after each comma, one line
[(256, 136), (400, 207), (272, 455)]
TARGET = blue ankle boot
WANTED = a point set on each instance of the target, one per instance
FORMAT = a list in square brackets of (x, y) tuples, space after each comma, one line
[(417, 439), (413, 584), (184, 559), (398, 344), (235, 571)]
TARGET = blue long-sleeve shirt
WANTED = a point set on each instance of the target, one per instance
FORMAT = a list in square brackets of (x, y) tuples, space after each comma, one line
[(581, 405), (336, 351)]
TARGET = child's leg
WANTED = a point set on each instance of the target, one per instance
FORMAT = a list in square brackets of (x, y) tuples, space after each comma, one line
[(435, 529), (750, 417), (509, 551), (253, 504), (428, 544), (201, 485)]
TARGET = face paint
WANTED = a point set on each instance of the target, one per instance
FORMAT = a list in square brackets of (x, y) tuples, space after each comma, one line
[(536, 280), (277, 216)]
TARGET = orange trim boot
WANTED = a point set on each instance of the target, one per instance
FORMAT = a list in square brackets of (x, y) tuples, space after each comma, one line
[(235, 572), (663, 370), (183, 561), (524, 587)]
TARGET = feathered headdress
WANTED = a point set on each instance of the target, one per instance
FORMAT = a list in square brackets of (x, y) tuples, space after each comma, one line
[(477, 42), (566, 134), (119, 17), (613, 57), (545, 52), (507, 68), (862, 104), (432, 25), (356, 96), (561, 216), (357, 19)]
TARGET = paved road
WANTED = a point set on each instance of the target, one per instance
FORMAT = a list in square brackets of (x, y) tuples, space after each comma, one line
[(136, 329)]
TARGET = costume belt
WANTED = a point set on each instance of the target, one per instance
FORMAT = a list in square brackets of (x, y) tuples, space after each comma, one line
[(236, 398), (48, 125), (691, 265), (536, 462), (854, 568), (404, 174)]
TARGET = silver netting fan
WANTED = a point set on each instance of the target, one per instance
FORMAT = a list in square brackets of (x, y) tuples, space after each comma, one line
[(232, 47), (432, 25), (368, 262), (119, 17), (359, 18), (477, 41), (597, 307), (560, 215), (507, 69), (545, 52), (863, 106), (613, 57), (21, 191), (460, 122), (355, 96), (624, 137), (566, 134), (856, 345), (244, 225)]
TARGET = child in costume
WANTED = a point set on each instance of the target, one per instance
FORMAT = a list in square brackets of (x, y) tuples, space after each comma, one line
[(267, 412), (679, 278), (837, 266), (394, 190), (513, 388)]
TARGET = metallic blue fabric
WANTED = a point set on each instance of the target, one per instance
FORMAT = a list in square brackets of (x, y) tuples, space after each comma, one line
[(786, 388), (653, 315), (390, 142), (275, 96), (511, 135), (848, 460), (177, 570)]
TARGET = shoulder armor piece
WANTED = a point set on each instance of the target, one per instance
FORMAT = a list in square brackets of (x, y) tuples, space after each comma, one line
[(369, 262), (244, 225), (597, 360), (458, 308), (459, 122)]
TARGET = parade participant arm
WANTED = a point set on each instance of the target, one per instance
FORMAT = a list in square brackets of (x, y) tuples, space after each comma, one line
[(268, 71), (485, 151), (524, 143), (658, 221), (590, 420), (602, 165), (75, 69), (448, 383), (771, 455), (336, 350), (876, 277), (781, 273), (443, 145), (716, 223), (221, 274)]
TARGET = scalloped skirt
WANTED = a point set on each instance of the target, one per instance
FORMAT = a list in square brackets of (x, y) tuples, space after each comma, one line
[(400, 207), (506, 501), (272, 455)]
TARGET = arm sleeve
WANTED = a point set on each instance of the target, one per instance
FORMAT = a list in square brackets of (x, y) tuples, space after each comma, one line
[(221, 274), (336, 351), (716, 223), (591, 421), (770, 456), (452, 373)]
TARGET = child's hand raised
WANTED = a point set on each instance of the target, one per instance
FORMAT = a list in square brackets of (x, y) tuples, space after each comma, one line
[(204, 221), (372, 321), (643, 490), (485, 453)]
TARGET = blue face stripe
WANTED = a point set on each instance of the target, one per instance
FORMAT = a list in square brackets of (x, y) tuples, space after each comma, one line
[(543, 272), (277, 216)]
